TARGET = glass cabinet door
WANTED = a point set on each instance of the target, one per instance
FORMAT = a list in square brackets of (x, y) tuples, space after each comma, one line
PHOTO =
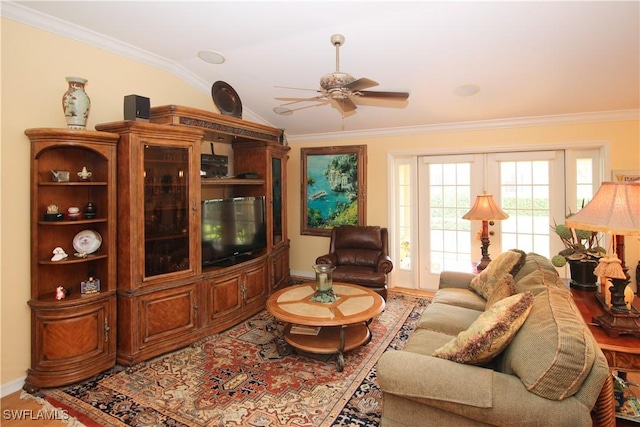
[(276, 197), (166, 209)]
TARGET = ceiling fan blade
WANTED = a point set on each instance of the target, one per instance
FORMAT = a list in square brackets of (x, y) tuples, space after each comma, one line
[(296, 100), (396, 96), (362, 83), (297, 88), (345, 105)]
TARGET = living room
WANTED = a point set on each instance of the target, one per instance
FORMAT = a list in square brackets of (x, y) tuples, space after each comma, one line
[(31, 98)]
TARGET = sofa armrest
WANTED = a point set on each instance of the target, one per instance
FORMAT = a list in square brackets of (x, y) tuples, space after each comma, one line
[(384, 264), (455, 279), (331, 258), (434, 378)]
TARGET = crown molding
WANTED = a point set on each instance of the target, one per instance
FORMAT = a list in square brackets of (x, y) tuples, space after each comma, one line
[(54, 25), (518, 122)]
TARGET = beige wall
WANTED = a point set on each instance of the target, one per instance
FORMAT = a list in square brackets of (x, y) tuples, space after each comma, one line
[(623, 137), (34, 65)]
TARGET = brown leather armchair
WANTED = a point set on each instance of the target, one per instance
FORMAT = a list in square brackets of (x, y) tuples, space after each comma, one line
[(361, 256)]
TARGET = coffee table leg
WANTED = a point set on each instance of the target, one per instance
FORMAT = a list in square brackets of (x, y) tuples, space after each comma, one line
[(340, 356)]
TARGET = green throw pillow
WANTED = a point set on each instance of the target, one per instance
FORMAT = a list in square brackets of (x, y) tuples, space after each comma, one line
[(490, 333), (506, 263)]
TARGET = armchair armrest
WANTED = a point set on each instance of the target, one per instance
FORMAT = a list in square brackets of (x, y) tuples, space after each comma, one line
[(384, 265), (455, 279), (434, 378)]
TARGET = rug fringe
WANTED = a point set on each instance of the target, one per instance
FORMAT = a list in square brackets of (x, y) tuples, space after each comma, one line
[(60, 415)]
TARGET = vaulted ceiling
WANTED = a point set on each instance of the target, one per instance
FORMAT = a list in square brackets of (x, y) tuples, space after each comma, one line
[(527, 58)]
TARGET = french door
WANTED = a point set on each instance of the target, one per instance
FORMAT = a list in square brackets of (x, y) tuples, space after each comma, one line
[(528, 186)]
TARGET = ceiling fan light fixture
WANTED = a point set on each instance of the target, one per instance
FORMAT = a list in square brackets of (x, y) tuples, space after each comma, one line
[(467, 90), (211, 56)]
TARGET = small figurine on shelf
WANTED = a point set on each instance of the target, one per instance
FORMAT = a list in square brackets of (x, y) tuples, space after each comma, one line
[(53, 214), (84, 174), (90, 210), (60, 176), (60, 293), (90, 286), (58, 254), (73, 213)]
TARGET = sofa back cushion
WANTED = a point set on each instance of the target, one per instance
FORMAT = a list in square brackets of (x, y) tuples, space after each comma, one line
[(553, 352), (536, 275)]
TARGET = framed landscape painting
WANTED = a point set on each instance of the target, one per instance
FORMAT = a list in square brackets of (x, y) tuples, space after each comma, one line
[(333, 186)]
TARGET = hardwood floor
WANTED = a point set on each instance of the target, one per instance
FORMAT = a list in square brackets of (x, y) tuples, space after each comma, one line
[(17, 412)]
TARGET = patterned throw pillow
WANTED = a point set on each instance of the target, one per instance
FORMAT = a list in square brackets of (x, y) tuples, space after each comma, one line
[(490, 333), (504, 288), (506, 263)]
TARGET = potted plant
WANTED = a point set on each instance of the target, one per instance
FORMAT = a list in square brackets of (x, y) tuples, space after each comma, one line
[(582, 251)]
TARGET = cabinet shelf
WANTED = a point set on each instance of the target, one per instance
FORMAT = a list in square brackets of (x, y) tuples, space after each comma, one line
[(46, 300), (230, 181), (75, 222), (73, 184), (74, 260)]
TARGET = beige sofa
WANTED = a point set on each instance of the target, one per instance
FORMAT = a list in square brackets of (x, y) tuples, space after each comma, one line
[(552, 372)]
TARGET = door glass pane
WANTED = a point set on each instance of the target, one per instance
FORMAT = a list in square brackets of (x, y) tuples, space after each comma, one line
[(166, 229), (276, 194), (449, 200), (404, 215), (524, 191)]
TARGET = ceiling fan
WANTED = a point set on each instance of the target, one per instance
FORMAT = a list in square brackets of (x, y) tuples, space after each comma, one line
[(341, 89)]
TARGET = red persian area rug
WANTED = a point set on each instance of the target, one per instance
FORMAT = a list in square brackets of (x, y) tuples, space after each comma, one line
[(245, 376)]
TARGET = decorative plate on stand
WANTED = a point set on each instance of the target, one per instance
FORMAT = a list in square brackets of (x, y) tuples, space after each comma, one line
[(87, 241), (226, 99)]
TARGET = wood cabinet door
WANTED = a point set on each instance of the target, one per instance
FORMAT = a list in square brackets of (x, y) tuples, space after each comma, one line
[(279, 269), (224, 295), (166, 314), (255, 283), (72, 343)]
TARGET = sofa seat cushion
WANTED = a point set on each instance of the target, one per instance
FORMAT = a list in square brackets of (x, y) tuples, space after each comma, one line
[(508, 262), (490, 333), (448, 319), (553, 352), (424, 341), (460, 298)]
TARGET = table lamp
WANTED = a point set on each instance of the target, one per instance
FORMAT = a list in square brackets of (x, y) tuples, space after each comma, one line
[(485, 209), (615, 210)]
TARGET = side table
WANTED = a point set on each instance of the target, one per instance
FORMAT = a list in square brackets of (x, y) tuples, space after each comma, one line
[(622, 352)]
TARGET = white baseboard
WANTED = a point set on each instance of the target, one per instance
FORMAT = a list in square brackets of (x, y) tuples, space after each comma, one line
[(303, 274), (11, 387)]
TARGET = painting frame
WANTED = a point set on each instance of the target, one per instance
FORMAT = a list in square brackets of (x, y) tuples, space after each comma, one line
[(318, 181)]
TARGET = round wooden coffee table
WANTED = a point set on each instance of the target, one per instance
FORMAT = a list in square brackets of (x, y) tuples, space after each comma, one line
[(326, 328)]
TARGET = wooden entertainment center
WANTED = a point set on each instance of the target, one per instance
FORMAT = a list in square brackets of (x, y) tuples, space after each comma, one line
[(165, 298)]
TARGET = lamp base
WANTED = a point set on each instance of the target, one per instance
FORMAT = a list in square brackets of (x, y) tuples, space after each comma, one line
[(616, 323)]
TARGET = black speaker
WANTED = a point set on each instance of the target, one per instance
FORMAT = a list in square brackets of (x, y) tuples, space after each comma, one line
[(136, 107)]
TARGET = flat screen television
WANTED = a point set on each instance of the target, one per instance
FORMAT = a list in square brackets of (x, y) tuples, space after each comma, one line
[(232, 229)]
